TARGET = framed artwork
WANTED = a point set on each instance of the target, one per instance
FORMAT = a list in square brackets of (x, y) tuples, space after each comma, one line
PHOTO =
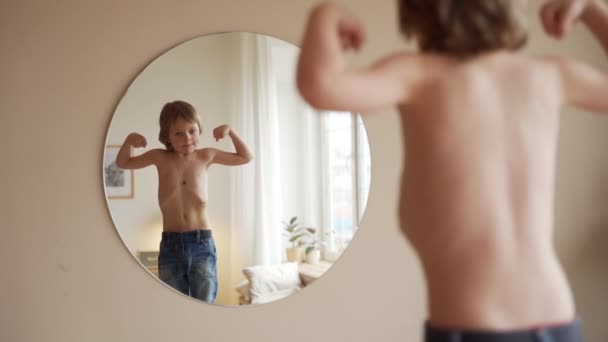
[(118, 182)]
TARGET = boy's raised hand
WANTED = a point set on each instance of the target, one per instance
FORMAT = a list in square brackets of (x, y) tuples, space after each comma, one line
[(137, 140), (558, 16), (350, 32), (221, 132)]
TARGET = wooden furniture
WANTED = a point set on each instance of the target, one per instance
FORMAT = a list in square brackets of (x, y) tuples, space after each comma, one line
[(310, 272)]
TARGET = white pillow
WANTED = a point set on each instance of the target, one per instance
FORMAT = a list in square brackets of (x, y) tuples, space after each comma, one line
[(243, 289), (269, 283), (273, 296)]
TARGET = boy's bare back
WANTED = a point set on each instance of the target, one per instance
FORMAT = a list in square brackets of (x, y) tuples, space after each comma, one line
[(477, 188)]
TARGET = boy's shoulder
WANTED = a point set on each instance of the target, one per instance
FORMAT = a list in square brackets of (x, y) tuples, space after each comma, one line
[(415, 66), (205, 153), (413, 59), (159, 151), (159, 154), (554, 64), (556, 60)]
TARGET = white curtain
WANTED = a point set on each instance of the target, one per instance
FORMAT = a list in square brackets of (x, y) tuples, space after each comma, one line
[(329, 250), (256, 230), (313, 199)]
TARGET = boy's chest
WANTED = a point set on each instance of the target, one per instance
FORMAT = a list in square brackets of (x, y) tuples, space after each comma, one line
[(190, 174)]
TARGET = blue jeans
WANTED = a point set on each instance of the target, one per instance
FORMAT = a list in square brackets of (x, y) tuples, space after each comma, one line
[(568, 332), (188, 262)]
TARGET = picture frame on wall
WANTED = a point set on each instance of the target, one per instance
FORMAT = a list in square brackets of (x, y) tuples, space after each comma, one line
[(119, 183)]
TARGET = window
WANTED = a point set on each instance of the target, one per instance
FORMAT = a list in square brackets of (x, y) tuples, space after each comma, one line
[(346, 178)]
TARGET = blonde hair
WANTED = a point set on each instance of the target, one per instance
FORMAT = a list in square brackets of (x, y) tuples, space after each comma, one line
[(170, 113), (464, 27)]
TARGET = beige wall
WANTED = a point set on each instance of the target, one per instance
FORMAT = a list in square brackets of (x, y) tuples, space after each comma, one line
[(66, 276)]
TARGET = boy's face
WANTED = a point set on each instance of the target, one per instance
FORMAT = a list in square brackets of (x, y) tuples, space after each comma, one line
[(183, 136)]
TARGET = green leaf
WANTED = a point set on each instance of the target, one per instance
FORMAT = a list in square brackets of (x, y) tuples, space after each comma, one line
[(295, 237), (293, 219)]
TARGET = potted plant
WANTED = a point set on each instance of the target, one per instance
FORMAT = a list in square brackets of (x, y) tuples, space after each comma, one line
[(313, 254), (294, 233)]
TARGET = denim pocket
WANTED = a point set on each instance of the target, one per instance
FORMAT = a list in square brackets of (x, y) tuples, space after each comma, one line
[(209, 245)]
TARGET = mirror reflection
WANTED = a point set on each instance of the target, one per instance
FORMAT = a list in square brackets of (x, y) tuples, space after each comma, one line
[(222, 182)]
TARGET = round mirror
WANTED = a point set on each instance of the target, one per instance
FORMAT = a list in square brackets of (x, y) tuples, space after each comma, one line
[(241, 193)]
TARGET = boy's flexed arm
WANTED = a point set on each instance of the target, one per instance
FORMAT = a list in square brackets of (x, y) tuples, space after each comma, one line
[(124, 159), (596, 19), (558, 16), (583, 85), (323, 77), (242, 154)]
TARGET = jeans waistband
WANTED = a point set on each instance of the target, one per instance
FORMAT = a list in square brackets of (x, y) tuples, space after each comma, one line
[(189, 235), (566, 332)]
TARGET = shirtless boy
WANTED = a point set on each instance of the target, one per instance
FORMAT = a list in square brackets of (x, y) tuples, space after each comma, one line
[(187, 259), (480, 125)]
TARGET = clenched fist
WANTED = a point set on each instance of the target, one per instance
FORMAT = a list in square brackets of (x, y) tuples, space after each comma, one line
[(558, 16), (136, 140), (221, 132)]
